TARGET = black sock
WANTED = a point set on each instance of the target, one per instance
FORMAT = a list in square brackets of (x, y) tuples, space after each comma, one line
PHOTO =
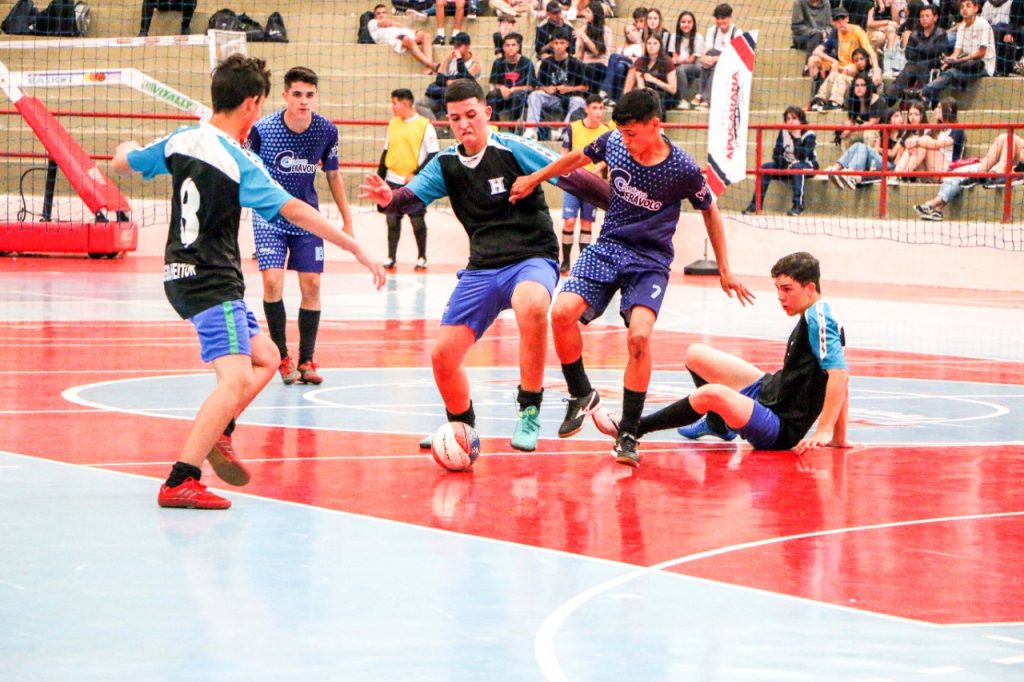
[(715, 421), (467, 417), (632, 408), (576, 378), (566, 251), (230, 428), (276, 321), (394, 233), (309, 325), (673, 416), (419, 232), (526, 398), (180, 471)]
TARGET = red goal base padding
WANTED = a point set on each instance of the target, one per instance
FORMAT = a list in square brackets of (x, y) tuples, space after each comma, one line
[(69, 237)]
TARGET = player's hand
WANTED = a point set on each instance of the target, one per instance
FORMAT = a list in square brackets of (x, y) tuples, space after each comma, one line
[(522, 187), (731, 284), (376, 190), (821, 439), (380, 277)]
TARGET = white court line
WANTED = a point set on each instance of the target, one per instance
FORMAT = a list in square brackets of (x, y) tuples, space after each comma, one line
[(544, 642)]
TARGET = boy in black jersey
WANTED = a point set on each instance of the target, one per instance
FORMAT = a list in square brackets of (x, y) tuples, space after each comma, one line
[(213, 178), (512, 255), (772, 411)]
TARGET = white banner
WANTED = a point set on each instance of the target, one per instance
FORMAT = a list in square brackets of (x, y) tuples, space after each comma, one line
[(730, 113)]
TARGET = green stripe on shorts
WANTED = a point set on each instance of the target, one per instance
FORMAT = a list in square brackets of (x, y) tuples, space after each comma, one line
[(229, 322)]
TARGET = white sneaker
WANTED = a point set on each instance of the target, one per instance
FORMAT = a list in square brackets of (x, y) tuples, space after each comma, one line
[(421, 263), (413, 14), (570, 14), (530, 133)]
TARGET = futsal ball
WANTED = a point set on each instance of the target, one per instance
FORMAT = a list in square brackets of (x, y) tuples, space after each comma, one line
[(455, 446)]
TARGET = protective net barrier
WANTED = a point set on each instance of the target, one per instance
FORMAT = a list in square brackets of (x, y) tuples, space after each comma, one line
[(111, 85)]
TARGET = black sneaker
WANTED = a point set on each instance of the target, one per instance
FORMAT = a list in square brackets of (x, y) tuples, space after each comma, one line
[(933, 215), (438, 40), (564, 268), (576, 412), (625, 450), (796, 210), (751, 208), (968, 183)]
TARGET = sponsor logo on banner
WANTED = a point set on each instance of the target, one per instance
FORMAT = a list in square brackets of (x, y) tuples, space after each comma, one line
[(730, 113)]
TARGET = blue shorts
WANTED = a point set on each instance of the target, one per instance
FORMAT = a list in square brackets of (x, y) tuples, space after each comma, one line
[(225, 329), (763, 428), (305, 251), (572, 206), (481, 295), (606, 268)]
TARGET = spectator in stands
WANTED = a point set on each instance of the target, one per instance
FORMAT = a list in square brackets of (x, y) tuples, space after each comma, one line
[(186, 7), (974, 54), (386, 31), (837, 50), (640, 19), (810, 23), (884, 18), (832, 93), (460, 63), (718, 38), (461, 9), (924, 50), (577, 135), (654, 25), (506, 25), (863, 108), (409, 143), (554, 24), (932, 150), (686, 49), (794, 150), (654, 70), (618, 64), (1006, 17), (593, 43), (515, 9), (995, 159), (560, 86), (511, 78), (858, 10), (863, 155)]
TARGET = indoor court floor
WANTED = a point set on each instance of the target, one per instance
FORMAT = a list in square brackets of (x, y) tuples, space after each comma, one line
[(352, 556)]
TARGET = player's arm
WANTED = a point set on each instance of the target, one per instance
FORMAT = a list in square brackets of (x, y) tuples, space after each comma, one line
[(831, 431), (120, 161), (716, 234), (298, 212), (525, 184), (337, 186)]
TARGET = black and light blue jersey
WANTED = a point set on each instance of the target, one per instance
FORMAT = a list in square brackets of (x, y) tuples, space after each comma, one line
[(644, 206), (500, 233), (212, 179), (797, 391)]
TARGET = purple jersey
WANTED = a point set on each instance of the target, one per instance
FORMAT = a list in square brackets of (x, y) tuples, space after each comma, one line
[(643, 209), (293, 158)]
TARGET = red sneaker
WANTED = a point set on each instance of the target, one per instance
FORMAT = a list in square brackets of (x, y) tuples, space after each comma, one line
[(308, 372), (226, 463), (289, 375), (190, 495)]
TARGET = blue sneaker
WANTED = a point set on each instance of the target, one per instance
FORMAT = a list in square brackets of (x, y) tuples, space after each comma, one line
[(527, 429), (700, 428)]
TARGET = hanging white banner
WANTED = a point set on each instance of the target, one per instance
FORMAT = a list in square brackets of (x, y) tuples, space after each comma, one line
[(730, 113)]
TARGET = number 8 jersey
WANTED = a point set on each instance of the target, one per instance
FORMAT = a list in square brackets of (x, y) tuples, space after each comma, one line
[(213, 178)]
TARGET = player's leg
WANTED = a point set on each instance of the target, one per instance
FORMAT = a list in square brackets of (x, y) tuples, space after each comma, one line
[(588, 212), (419, 233), (271, 253), (453, 342), (532, 282), (565, 329), (394, 235), (636, 379), (306, 256), (708, 365)]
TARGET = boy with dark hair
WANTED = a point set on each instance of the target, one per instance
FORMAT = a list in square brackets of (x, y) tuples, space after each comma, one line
[(293, 143), (772, 411), (578, 135), (213, 178), (512, 251), (560, 86), (649, 178), (409, 143), (512, 76)]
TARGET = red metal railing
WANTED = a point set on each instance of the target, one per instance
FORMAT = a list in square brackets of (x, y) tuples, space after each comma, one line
[(758, 129)]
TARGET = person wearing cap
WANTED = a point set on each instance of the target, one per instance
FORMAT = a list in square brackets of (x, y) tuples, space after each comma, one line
[(837, 50), (555, 23), (810, 24), (560, 86), (461, 63)]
